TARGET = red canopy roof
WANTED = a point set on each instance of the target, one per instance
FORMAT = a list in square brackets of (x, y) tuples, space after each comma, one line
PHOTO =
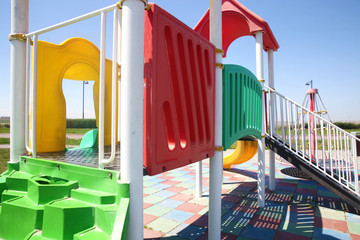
[(238, 21)]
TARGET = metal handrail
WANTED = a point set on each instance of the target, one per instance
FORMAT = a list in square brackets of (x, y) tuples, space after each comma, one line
[(326, 147), (35, 35)]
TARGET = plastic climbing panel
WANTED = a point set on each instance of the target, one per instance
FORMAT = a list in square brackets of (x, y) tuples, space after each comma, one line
[(242, 99), (43, 199), (179, 75)]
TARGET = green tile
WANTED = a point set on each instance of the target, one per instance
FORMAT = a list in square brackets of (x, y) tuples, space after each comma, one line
[(354, 227), (185, 185), (163, 225), (203, 211), (153, 199), (188, 192), (149, 184), (201, 201), (157, 210), (150, 190), (179, 179), (330, 213)]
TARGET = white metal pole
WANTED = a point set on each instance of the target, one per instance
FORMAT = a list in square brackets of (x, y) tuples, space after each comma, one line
[(19, 25), (102, 87), (272, 106), (132, 96), (34, 99), (216, 162), (261, 143), (119, 72), (199, 179)]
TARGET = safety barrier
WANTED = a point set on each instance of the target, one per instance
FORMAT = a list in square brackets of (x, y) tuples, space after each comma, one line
[(320, 143), (242, 99), (179, 77)]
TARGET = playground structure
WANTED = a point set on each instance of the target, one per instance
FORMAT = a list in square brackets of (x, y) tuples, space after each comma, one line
[(183, 106)]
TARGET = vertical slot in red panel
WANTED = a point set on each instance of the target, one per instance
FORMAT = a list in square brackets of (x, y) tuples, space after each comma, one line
[(198, 102), (185, 78), (169, 128), (203, 91), (208, 71), (175, 85)]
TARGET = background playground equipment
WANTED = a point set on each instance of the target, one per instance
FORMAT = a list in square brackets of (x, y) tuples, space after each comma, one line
[(74, 59), (242, 101)]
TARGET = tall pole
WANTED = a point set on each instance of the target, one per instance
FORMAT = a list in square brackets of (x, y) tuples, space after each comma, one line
[(19, 27), (261, 143), (216, 162), (272, 118), (83, 100), (132, 95)]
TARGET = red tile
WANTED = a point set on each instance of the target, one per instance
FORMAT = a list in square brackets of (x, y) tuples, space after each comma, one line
[(169, 182), (227, 174), (148, 218), (166, 177), (175, 189), (145, 194), (333, 224), (292, 236), (192, 173), (146, 205), (181, 197), (152, 234), (198, 220), (287, 184), (306, 191), (354, 236), (190, 207)]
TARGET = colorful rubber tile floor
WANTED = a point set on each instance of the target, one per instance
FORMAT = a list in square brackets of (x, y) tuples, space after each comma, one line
[(299, 208)]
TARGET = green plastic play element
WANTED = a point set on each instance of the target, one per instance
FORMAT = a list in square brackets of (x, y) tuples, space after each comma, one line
[(89, 140), (242, 104), (50, 200)]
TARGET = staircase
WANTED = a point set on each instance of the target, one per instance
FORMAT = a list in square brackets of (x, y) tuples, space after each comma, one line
[(313, 144)]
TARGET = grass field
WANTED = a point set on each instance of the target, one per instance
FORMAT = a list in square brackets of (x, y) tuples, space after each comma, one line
[(73, 141), (4, 130), (4, 158), (78, 130), (4, 140)]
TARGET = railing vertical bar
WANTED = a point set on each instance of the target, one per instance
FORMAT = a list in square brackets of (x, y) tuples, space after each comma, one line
[(282, 120), (34, 97), (276, 115), (27, 87), (330, 149), (102, 87), (336, 152), (270, 111), (296, 130), (310, 141), (356, 177), (347, 160), (323, 144), (303, 133), (341, 155), (288, 122), (316, 142)]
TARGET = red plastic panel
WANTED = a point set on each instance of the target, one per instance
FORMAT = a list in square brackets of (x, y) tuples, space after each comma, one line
[(179, 94)]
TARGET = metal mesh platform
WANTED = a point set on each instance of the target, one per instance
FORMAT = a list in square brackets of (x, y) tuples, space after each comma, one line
[(85, 157)]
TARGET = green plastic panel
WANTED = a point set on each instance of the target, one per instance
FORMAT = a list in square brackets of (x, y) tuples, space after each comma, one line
[(242, 99), (50, 200)]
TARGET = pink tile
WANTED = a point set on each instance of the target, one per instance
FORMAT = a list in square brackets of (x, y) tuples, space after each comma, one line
[(198, 220), (175, 189), (149, 218), (190, 207), (146, 205), (333, 224), (169, 182), (354, 236), (152, 234), (181, 197)]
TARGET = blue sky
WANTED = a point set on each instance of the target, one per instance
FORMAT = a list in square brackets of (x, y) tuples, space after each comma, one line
[(318, 41)]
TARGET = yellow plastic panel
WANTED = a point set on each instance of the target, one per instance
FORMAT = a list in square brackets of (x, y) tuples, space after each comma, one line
[(244, 151), (74, 59)]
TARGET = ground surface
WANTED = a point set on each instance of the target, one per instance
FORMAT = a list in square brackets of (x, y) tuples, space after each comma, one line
[(297, 209)]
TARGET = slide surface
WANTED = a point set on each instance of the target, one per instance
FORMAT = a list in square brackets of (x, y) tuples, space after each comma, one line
[(244, 151)]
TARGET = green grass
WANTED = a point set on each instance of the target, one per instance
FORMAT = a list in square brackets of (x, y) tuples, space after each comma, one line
[(4, 140), (73, 142), (4, 130), (78, 130), (4, 158)]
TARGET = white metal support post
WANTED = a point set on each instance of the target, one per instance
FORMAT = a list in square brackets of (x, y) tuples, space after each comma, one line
[(272, 117), (132, 95), (261, 143), (199, 179), (19, 27), (216, 162)]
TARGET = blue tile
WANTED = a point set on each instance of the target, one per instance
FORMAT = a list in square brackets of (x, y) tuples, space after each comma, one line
[(177, 215), (258, 233), (329, 234), (165, 193), (160, 186), (352, 217), (170, 203), (155, 179)]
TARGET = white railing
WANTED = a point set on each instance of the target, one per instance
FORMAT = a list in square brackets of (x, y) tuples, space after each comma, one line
[(316, 140), (31, 80)]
